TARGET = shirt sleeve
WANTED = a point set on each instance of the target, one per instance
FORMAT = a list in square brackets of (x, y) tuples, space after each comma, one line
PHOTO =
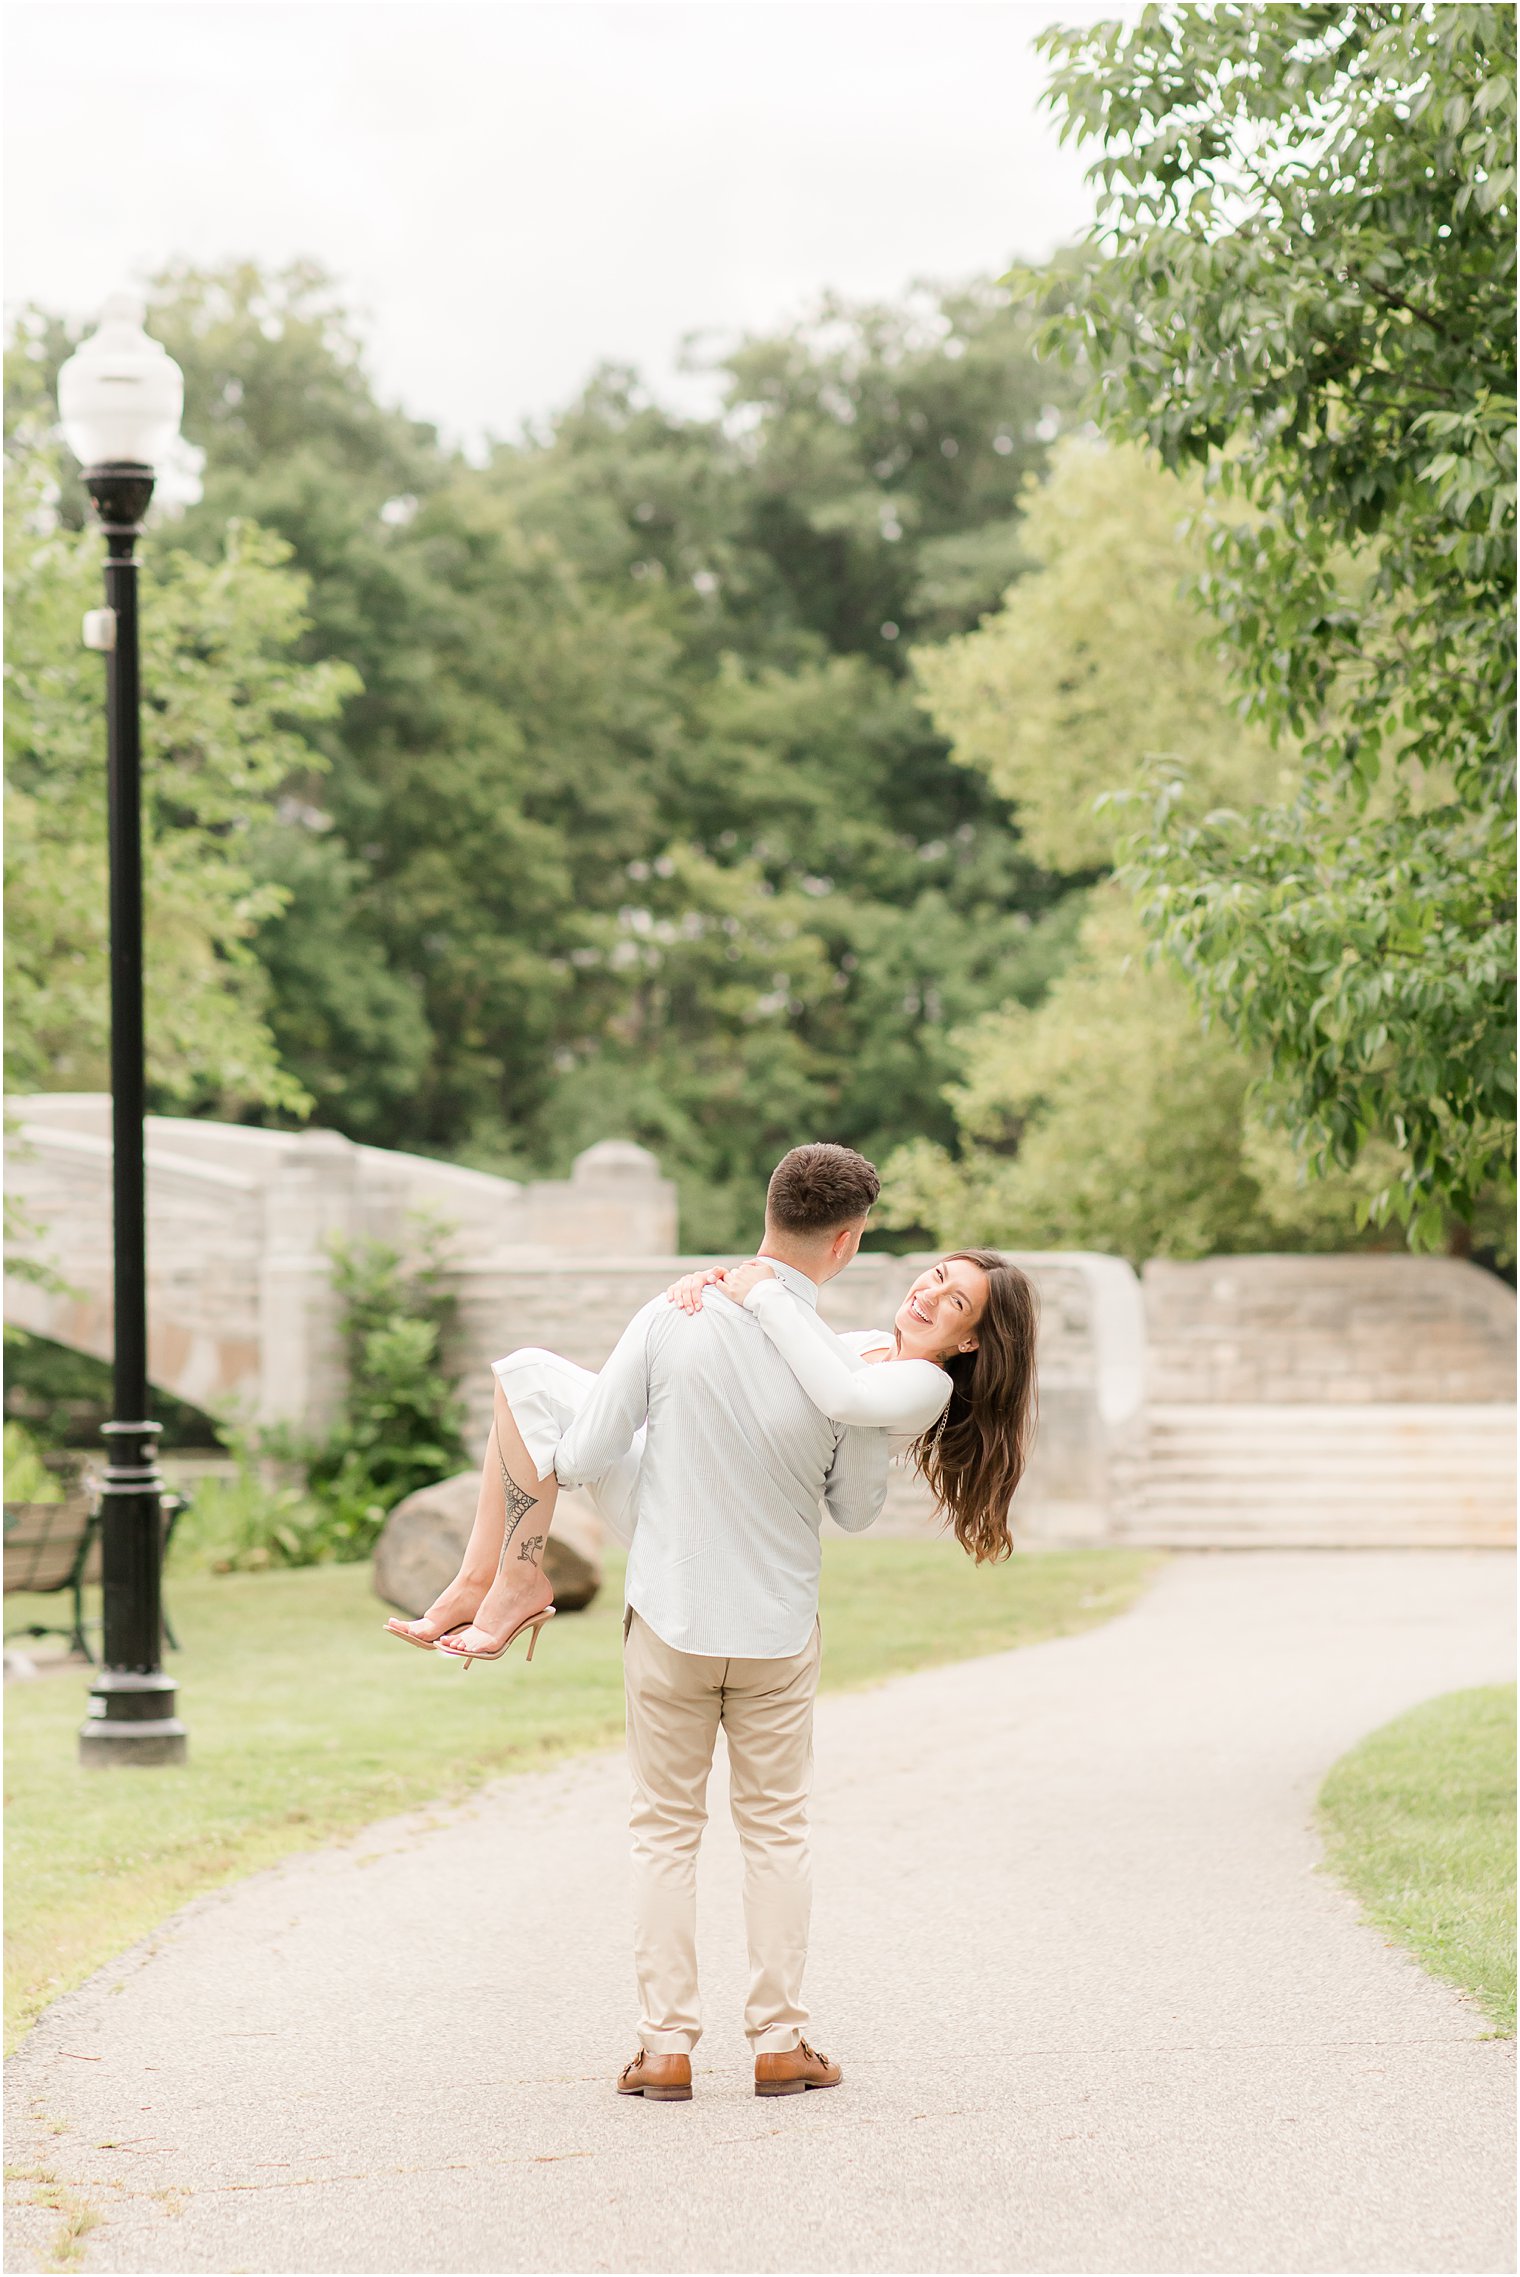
[(904, 1396), (616, 1405), (856, 1486)]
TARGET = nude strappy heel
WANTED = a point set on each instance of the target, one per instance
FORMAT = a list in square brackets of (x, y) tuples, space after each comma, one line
[(400, 1629), (534, 1621)]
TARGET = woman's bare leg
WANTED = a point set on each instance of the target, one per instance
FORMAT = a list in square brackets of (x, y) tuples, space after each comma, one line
[(517, 1585), (512, 1514)]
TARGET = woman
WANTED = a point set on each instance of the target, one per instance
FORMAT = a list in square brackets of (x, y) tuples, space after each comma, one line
[(953, 1384)]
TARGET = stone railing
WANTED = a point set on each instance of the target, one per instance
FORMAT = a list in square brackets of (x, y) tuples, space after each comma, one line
[(241, 1313)]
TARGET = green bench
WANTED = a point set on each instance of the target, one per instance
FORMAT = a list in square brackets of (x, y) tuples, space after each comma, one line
[(51, 1547)]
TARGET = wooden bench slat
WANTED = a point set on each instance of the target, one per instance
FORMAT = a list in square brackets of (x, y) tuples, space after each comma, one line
[(53, 1546), (42, 1541)]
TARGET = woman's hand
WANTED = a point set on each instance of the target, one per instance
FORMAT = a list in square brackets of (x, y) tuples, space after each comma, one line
[(687, 1292), (738, 1282)]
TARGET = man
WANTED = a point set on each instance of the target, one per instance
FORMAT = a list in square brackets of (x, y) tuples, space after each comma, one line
[(721, 1618)]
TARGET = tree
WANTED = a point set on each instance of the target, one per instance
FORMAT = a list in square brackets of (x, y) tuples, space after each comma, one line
[(351, 1028), (1101, 667), (790, 549), (1106, 1114), (593, 686), (630, 674), (1110, 1118), (220, 694), (1308, 218), (890, 447), (862, 488)]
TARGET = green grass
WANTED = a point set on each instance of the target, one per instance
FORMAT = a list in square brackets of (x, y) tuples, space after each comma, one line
[(1420, 1822), (307, 1724)]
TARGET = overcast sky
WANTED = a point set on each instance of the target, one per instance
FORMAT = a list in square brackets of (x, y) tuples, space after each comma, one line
[(513, 190)]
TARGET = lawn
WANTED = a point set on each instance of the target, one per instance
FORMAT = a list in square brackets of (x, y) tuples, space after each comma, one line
[(1420, 1822), (306, 1724)]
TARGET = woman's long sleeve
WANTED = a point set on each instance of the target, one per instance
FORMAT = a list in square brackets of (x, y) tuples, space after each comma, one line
[(901, 1396)]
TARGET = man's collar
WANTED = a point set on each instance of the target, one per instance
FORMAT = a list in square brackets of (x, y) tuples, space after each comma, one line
[(792, 1278)]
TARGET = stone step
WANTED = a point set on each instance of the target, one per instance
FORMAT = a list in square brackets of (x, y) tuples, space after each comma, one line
[(1346, 1512), (1231, 1475), (1350, 1517), (1480, 1449), (1226, 1530), (1341, 1476), (1286, 1443), (1338, 1478), (1391, 1414)]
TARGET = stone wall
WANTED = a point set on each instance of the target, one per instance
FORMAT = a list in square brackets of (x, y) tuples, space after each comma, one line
[(243, 1322), (1287, 1330)]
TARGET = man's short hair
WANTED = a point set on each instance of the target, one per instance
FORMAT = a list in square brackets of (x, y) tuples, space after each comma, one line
[(818, 1189)]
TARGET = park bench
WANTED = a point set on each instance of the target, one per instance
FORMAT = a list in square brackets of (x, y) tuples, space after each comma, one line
[(55, 1546)]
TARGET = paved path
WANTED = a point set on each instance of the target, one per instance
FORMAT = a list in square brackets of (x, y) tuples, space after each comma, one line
[(1097, 2010)]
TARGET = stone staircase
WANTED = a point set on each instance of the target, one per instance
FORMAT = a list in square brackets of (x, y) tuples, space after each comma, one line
[(1383, 1475), (1323, 1402)]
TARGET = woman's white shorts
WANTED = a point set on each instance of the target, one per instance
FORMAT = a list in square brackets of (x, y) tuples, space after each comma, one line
[(545, 1393)]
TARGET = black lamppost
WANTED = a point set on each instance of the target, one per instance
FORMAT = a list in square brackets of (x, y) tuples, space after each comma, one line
[(120, 397)]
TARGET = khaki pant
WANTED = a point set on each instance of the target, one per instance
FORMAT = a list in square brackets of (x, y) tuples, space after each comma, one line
[(676, 1701)]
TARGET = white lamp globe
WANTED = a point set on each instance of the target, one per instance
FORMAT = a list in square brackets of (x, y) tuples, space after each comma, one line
[(120, 394)]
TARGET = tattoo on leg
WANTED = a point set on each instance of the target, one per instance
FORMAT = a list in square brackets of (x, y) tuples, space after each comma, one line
[(530, 1549), (518, 1505)]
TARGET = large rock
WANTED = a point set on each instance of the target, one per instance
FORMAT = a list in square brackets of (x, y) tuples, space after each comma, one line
[(423, 1540)]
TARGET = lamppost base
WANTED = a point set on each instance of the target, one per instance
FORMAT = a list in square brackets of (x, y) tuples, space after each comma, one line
[(165, 1741), (131, 1720)]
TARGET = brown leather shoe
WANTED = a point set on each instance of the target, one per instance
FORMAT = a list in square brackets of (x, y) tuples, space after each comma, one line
[(795, 2072), (659, 2079)]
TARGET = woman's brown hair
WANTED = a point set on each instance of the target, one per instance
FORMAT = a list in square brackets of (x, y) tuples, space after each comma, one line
[(974, 1456)]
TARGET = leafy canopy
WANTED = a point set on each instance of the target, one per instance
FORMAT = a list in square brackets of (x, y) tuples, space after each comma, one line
[(1308, 290), (1107, 1117), (224, 697), (1106, 1114), (1100, 665), (637, 822)]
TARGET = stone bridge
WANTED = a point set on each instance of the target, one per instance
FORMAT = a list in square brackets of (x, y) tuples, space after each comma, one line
[(241, 1316), (1237, 1401)]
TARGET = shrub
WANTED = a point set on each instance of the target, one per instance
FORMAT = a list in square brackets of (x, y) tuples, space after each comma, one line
[(402, 1421), (27, 1477), (246, 1523)]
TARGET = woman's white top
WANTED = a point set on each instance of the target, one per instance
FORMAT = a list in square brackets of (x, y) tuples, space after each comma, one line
[(902, 1397)]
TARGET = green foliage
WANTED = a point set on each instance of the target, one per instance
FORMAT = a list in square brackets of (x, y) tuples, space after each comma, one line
[(27, 1477), (637, 824), (1105, 1115), (354, 1027), (1101, 665), (867, 472), (298, 1502), (1110, 1118), (219, 741), (401, 1422), (248, 1523), (1308, 214)]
